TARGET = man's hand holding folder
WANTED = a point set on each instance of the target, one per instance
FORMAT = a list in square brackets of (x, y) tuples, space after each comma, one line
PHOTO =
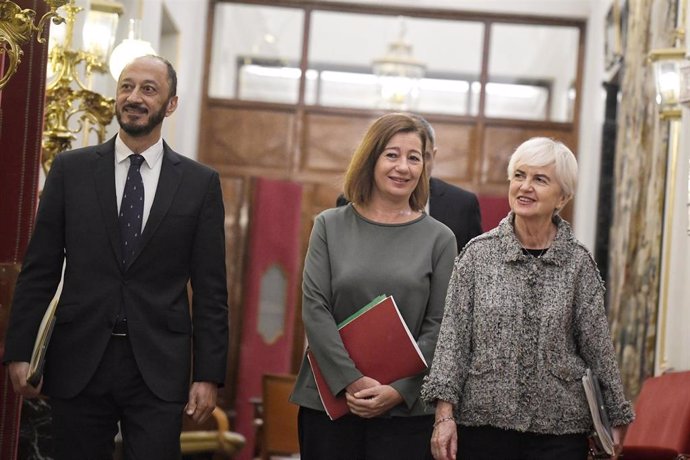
[(27, 377), (18, 372)]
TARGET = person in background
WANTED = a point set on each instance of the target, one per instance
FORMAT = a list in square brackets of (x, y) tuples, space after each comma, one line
[(453, 206), (134, 222), (524, 319), (381, 242)]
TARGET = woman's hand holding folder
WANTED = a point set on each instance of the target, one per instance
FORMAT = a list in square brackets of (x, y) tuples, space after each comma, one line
[(373, 401)]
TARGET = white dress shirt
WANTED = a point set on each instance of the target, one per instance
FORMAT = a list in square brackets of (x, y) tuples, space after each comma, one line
[(150, 172)]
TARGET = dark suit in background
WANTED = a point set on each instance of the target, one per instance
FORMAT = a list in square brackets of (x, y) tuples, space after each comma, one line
[(95, 377), (457, 208)]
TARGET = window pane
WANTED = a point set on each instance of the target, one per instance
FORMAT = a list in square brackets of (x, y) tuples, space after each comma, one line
[(536, 83), (355, 64), (255, 53)]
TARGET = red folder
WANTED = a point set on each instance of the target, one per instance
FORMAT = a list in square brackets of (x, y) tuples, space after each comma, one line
[(381, 346)]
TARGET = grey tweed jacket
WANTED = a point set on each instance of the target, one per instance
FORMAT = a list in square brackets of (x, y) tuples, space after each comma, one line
[(518, 333)]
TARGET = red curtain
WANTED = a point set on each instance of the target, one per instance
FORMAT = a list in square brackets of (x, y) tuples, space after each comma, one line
[(21, 125), (493, 208), (270, 288)]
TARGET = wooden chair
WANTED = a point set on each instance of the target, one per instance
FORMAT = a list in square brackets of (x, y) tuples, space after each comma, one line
[(661, 430), (279, 427), (221, 442)]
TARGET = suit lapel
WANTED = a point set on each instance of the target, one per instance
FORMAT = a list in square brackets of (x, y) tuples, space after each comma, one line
[(168, 182), (104, 177)]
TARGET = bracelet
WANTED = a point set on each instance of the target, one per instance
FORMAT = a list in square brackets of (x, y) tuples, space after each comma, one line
[(444, 419)]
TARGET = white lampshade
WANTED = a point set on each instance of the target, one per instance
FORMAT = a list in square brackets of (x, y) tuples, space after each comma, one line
[(131, 48)]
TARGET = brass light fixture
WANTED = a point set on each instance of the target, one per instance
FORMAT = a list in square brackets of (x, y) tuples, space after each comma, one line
[(16, 28), (398, 73), (667, 64), (69, 109)]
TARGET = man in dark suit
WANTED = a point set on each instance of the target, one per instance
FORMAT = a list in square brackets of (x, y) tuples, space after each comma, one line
[(126, 343), (457, 208)]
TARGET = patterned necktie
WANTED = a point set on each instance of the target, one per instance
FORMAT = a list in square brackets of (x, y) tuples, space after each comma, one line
[(132, 209)]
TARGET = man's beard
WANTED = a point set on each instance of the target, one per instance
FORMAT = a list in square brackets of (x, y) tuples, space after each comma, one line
[(135, 130)]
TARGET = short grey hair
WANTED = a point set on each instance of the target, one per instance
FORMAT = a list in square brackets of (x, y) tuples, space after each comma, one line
[(542, 151), (428, 129)]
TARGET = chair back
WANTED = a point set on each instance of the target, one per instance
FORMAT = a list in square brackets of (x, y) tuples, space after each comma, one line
[(662, 415), (213, 437), (279, 429)]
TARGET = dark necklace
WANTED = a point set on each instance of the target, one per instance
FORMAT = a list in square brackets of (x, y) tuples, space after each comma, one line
[(536, 253)]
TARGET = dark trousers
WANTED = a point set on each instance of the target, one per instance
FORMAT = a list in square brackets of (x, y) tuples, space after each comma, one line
[(355, 438), (85, 426), (489, 443)]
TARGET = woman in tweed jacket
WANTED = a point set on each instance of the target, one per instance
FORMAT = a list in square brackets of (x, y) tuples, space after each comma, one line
[(524, 319)]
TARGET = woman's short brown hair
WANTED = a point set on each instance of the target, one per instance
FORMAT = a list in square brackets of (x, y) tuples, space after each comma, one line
[(359, 178)]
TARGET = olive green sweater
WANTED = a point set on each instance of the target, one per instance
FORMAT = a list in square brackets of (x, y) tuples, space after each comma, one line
[(350, 261)]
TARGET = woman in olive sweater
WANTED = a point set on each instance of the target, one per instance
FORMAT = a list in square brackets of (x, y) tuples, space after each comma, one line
[(382, 242)]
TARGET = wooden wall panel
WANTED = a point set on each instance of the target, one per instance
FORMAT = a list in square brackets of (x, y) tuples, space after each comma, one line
[(242, 137), (330, 140), (315, 198), (500, 142), (457, 149), (235, 192)]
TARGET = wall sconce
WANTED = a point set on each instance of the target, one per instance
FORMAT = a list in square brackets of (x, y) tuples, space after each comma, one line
[(667, 63), (64, 103), (16, 28), (398, 73)]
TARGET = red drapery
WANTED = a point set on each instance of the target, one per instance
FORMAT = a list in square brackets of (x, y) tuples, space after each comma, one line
[(21, 125), (271, 281)]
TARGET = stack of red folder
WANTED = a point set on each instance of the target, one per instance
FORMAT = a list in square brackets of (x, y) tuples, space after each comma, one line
[(381, 346)]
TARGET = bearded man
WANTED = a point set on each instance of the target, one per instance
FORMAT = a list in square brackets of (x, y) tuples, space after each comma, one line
[(133, 222)]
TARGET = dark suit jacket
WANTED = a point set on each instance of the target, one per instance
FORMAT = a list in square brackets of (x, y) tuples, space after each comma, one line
[(183, 240), (458, 209)]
